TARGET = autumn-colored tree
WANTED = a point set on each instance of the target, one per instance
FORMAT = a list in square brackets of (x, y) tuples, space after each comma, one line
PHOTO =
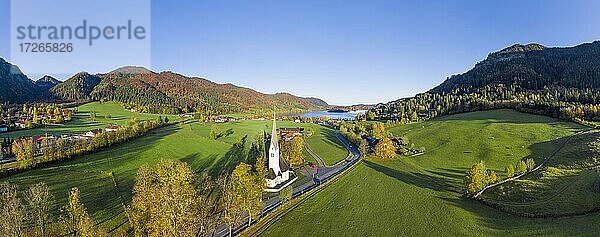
[(385, 149), (248, 188), (521, 167), (291, 151), (475, 179), (530, 164), (232, 211), (165, 201), (492, 177), (39, 200), (12, 222), (35, 116), (75, 219), (208, 207), (510, 171), (378, 130), (364, 147)]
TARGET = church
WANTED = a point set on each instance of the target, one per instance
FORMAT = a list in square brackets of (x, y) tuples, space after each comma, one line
[(279, 173)]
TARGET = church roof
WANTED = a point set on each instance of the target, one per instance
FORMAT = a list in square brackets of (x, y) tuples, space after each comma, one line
[(283, 165), (271, 174)]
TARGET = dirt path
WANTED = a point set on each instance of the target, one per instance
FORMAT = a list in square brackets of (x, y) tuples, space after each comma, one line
[(314, 155)]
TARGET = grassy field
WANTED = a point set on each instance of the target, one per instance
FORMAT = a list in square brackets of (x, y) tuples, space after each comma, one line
[(564, 187), (422, 195), (91, 173), (190, 142), (82, 121), (326, 145)]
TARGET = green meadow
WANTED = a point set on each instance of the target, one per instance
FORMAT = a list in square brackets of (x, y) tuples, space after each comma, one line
[(93, 174), (422, 195), (106, 113), (564, 187)]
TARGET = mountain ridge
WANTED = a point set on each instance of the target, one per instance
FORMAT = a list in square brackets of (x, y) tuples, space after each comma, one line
[(560, 82)]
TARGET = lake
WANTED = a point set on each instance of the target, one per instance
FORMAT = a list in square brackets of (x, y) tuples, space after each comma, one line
[(351, 115)]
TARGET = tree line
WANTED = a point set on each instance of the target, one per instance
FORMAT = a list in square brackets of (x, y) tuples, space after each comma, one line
[(30, 153), (169, 199)]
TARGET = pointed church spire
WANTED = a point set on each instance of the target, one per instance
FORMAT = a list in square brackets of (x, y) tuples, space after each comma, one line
[(274, 132)]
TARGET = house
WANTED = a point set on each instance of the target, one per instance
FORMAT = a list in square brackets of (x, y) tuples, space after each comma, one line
[(20, 124), (3, 128), (289, 133), (92, 133), (111, 128), (371, 140), (223, 119), (398, 141)]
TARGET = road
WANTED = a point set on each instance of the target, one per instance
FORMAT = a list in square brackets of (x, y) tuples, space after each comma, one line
[(300, 187)]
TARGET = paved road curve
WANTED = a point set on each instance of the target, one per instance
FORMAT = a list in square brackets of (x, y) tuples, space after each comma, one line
[(323, 173)]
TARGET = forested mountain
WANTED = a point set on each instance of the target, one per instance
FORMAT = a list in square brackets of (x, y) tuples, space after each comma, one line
[(169, 92), (78, 87), (15, 87), (47, 82), (532, 67), (559, 82), (315, 101), (147, 91)]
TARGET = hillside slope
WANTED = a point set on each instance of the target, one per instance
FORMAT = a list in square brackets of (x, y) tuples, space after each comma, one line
[(558, 82), (15, 87), (532, 66), (148, 91), (47, 82), (169, 92)]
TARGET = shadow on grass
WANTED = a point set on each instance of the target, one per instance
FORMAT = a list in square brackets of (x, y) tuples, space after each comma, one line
[(232, 157), (413, 178)]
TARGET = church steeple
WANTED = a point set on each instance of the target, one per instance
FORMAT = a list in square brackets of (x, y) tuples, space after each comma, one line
[(274, 163), (278, 171), (274, 141)]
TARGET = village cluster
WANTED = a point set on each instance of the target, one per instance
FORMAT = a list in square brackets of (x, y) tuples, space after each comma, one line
[(40, 142), (12, 118)]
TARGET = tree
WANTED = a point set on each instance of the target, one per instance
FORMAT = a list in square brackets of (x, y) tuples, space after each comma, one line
[(12, 222), (76, 220), (213, 132), (248, 188), (378, 130), (510, 171), (530, 164), (363, 147), (165, 201), (35, 116), (291, 151), (521, 167), (232, 211), (475, 179), (493, 178), (39, 200), (208, 208), (285, 194), (385, 149)]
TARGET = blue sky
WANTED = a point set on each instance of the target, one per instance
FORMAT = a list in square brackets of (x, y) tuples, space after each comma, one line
[(347, 52)]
